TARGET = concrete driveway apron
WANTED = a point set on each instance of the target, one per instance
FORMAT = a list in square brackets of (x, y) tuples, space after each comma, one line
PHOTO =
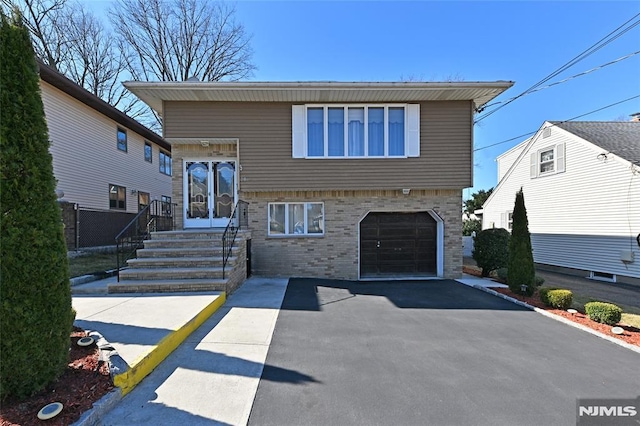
[(429, 352)]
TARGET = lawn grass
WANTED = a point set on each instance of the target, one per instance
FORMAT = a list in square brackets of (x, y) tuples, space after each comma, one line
[(91, 263)]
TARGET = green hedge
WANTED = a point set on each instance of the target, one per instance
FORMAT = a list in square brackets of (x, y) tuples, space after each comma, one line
[(606, 313), (556, 297), (491, 249)]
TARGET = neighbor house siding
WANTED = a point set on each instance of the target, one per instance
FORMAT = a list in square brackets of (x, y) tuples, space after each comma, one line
[(86, 158), (506, 160), (265, 144), (335, 255), (582, 218)]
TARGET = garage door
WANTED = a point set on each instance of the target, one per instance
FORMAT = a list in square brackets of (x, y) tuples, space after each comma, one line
[(397, 243)]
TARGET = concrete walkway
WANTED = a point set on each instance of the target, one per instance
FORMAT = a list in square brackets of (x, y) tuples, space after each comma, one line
[(213, 376)]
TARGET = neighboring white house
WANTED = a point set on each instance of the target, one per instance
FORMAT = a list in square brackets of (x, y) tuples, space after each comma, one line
[(102, 158), (581, 184)]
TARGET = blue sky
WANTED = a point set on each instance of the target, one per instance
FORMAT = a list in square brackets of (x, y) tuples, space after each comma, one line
[(520, 41)]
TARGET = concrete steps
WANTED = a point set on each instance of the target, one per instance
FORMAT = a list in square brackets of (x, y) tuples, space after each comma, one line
[(166, 286), (173, 261)]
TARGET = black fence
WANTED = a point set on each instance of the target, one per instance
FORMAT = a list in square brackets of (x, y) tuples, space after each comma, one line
[(85, 228)]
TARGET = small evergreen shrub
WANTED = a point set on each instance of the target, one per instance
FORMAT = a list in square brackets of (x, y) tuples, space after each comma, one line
[(606, 313), (556, 297), (491, 249), (538, 281), (521, 269)]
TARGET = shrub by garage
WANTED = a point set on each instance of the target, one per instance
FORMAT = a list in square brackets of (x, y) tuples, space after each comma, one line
[(491, 249)]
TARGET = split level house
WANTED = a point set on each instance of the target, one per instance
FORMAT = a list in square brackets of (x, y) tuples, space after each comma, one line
[(581, 184), (107, 165), (341, 180)]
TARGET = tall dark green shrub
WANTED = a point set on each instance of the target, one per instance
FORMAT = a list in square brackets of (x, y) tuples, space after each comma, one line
[(521, 269), (491, 249), (35, 295)]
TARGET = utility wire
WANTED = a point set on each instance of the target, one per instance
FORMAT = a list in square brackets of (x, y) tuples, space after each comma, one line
[(570, 78), (594, 48), (560, 122)]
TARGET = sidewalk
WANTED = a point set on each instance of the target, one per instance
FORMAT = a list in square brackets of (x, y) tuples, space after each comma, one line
[(212, 377)]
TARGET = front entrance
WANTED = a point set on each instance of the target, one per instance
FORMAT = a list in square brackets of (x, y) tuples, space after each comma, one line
[(398, 244), (210, 193)]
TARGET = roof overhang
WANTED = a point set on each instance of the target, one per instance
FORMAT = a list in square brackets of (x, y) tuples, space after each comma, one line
[(154, 93)]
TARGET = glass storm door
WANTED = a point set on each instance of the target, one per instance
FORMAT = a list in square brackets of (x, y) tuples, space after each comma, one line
[(209, 193)]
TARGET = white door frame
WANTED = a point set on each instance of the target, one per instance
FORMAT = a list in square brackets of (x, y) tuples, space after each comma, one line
[(210, 222)]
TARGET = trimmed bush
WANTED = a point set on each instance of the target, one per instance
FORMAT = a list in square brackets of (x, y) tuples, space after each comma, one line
[(556, 297), (521, 270), (35, 292), (491, 249), (606, 313), (538, 281)]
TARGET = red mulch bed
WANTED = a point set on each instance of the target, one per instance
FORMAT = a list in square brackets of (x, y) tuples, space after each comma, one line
[(631, 335), (84, 382)]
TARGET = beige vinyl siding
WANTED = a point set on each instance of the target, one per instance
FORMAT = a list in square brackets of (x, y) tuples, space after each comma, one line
[(86, 158), (582, 218), (264, 133)]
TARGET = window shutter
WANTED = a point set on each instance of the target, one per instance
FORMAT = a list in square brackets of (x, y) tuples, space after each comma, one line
[(560, 155), (503, 220), (413, 130), (298, 133), (534, 165)]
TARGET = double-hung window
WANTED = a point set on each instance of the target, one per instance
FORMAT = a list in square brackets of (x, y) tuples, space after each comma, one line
[(356, 131), (122, 139), (165, 163), (296, 219), (548, 161), (117, 197), (148, 152)]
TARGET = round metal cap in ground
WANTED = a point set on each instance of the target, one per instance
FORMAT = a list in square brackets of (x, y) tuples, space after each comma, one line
[(49, 411), (617, 330), (85, 341), (572, 311)]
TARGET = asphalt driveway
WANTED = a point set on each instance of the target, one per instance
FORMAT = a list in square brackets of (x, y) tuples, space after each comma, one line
[(429, 352)]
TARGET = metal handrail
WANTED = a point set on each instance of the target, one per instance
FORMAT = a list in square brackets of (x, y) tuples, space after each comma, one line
[(231, 231), (157, 216)]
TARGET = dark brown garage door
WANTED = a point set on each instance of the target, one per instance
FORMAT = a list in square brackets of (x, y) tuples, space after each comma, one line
[(397, 243)]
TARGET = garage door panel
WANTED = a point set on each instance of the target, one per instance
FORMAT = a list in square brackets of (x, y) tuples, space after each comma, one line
[(398, 243)]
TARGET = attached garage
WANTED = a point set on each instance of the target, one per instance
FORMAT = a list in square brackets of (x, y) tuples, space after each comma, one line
[(398, 244)]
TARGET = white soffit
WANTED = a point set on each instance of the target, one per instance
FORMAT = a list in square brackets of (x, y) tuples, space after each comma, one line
[(154, 93)]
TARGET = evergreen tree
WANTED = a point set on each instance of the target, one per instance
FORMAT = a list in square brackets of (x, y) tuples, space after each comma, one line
[(35, 295), (521, 270)]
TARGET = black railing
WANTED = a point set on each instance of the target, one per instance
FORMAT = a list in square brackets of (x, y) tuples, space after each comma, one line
[(157, 216), (239, 219)]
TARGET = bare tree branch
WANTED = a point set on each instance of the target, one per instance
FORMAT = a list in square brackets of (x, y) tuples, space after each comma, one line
[(174, 40)]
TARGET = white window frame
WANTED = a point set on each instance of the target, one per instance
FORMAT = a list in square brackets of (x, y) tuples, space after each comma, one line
[(411, 130), (286, 220), (509, 216)]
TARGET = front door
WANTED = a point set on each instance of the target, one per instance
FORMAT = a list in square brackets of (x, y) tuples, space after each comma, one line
[(209, 193)]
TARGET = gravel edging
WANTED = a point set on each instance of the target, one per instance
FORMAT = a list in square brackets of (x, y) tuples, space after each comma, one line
[(556, 317), (116, 366)]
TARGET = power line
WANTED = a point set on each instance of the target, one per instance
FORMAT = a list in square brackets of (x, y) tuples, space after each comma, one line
[(594, 48), (571, 78), (560, 122)]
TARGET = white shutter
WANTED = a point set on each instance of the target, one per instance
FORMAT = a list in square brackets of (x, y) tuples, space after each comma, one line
[(413, 130), (560, 157), (503, 220), (534, 165), (298, 147)]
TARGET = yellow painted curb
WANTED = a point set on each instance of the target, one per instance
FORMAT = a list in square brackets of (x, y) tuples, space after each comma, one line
[(145, 365)]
